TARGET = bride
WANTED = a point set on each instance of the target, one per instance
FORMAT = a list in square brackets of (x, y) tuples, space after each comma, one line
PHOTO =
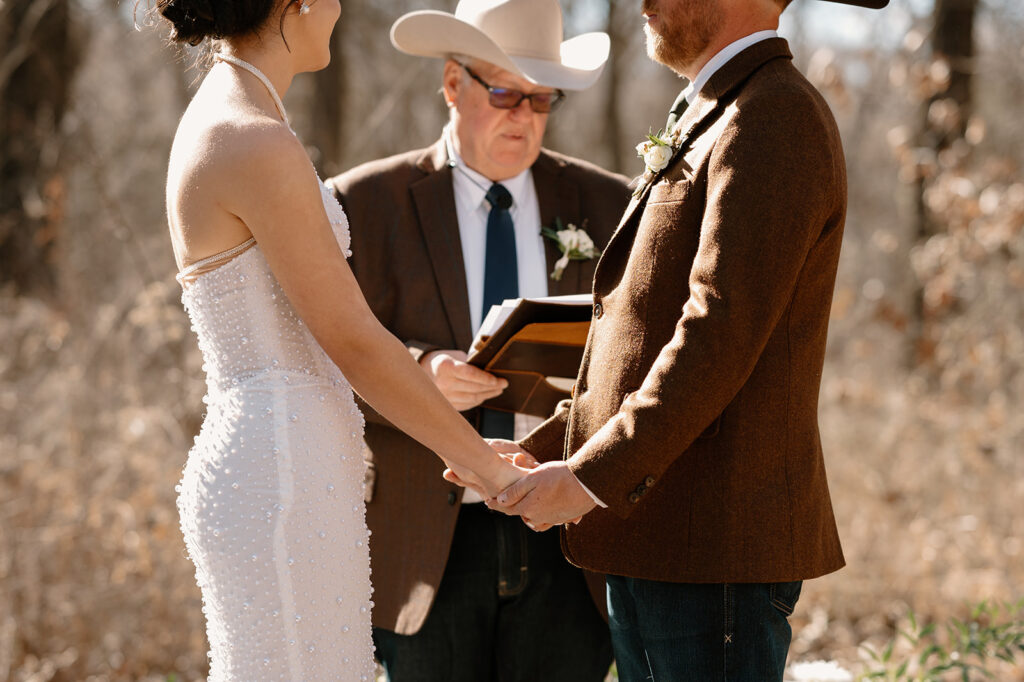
[(271, 499)]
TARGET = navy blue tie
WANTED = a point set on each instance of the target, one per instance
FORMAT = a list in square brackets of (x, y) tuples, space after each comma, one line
[(501, 281)]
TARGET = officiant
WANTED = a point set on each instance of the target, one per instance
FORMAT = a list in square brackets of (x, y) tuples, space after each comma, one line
[(438, 236)]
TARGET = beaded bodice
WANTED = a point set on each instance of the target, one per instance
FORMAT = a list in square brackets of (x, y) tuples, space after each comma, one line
[(245, 323)]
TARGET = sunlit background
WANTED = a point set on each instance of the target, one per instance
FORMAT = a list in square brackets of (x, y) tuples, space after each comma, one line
[(100, 377)]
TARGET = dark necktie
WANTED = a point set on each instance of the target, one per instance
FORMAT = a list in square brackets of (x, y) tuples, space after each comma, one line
[(676, 112), (501, 281)]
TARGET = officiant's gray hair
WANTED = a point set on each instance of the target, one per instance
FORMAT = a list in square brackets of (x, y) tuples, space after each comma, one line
[(460, 59)]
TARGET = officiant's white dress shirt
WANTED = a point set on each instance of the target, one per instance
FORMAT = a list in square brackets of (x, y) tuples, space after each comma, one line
[(472, 210)]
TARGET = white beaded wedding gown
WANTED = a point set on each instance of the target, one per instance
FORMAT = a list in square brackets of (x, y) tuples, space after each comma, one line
[(271, 500)]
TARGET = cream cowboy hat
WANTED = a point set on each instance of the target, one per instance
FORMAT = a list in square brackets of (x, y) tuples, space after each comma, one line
[(523, 37)]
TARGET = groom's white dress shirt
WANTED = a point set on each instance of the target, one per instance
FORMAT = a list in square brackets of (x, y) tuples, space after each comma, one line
[(720, 59)]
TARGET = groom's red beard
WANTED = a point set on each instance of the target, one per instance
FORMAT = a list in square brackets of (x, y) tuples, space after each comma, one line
[(682, 32)]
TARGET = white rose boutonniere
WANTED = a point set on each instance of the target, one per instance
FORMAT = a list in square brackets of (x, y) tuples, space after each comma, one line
[(573, 242), (656, 151)]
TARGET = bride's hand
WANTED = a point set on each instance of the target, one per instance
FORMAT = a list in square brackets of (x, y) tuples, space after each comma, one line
[(466, 478), (501, 472)]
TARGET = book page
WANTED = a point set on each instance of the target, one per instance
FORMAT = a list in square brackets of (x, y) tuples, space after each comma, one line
[(497, 315)]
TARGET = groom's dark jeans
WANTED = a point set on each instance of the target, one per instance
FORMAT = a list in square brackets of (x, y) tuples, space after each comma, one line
[(684, 632), (510, 608)]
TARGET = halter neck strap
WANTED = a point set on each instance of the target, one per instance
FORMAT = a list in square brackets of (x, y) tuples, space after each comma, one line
[(242, 64)]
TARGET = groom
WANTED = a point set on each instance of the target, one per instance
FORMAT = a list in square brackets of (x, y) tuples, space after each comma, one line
[(438, 235), (691, 446)]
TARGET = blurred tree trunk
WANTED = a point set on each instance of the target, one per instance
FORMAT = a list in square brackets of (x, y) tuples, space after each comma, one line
[(944, 119), (330, 91), (616, 30), (37, 67), (953, 42)]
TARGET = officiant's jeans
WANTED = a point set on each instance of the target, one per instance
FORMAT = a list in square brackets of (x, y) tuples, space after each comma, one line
[(510, 608), (684, 632)]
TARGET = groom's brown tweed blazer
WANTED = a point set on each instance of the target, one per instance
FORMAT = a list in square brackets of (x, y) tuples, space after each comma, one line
[(695, 410), (407, 257)]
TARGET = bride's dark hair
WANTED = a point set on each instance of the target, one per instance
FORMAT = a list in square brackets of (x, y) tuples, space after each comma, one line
[(195, 20)]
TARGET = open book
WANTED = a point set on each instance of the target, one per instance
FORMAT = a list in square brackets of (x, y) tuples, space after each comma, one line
[(537, 345)]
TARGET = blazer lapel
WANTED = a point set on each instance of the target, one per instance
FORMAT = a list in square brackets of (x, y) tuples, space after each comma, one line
[(557, 199), (717, 90), (695, 115), (434, 198)]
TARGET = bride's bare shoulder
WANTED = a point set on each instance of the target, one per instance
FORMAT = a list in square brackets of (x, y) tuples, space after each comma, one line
[(228, 139), (226, 157)]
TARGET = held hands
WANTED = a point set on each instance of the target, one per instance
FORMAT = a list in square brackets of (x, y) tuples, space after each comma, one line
[(500, 472), (547, 495), (462, 384)]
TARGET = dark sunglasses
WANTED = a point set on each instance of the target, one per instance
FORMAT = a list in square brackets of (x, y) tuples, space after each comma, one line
[(505, 98)]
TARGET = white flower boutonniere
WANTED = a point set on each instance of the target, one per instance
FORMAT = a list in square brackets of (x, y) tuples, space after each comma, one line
[(656, 151), (573, 242)]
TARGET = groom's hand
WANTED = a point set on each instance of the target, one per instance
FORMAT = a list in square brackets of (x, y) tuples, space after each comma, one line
[(462, 384), (549, 495)]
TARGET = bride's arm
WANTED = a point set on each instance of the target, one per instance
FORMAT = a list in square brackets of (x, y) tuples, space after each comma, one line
[(277, 196)]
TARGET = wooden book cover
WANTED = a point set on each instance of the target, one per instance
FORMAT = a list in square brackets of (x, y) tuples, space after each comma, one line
[(537, 346)]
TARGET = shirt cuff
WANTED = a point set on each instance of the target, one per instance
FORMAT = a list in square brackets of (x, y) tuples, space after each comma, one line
[(594, 497)]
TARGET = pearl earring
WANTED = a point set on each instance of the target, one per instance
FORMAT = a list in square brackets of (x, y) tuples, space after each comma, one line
[(304, 7)]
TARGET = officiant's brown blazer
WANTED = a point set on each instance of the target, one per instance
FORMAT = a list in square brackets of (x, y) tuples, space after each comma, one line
[(695, 411), (407, 256)]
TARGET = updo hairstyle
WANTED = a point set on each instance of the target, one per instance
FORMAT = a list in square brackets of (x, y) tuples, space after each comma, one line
[(193, 21)]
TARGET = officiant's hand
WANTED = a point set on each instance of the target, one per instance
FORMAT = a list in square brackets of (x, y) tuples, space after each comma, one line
[(547, 496), (464, 385)]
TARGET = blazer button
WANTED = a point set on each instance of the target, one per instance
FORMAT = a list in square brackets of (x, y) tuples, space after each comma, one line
[(649, 481), (598, 310), (634, 498), (452, 498)]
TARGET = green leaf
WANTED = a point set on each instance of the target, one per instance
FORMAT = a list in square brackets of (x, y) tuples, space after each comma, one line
[(909, 636), (872, 652), (932, 650)]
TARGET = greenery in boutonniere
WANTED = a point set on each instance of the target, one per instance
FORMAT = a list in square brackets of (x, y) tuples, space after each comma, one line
[(573, 242), (656, 151)]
